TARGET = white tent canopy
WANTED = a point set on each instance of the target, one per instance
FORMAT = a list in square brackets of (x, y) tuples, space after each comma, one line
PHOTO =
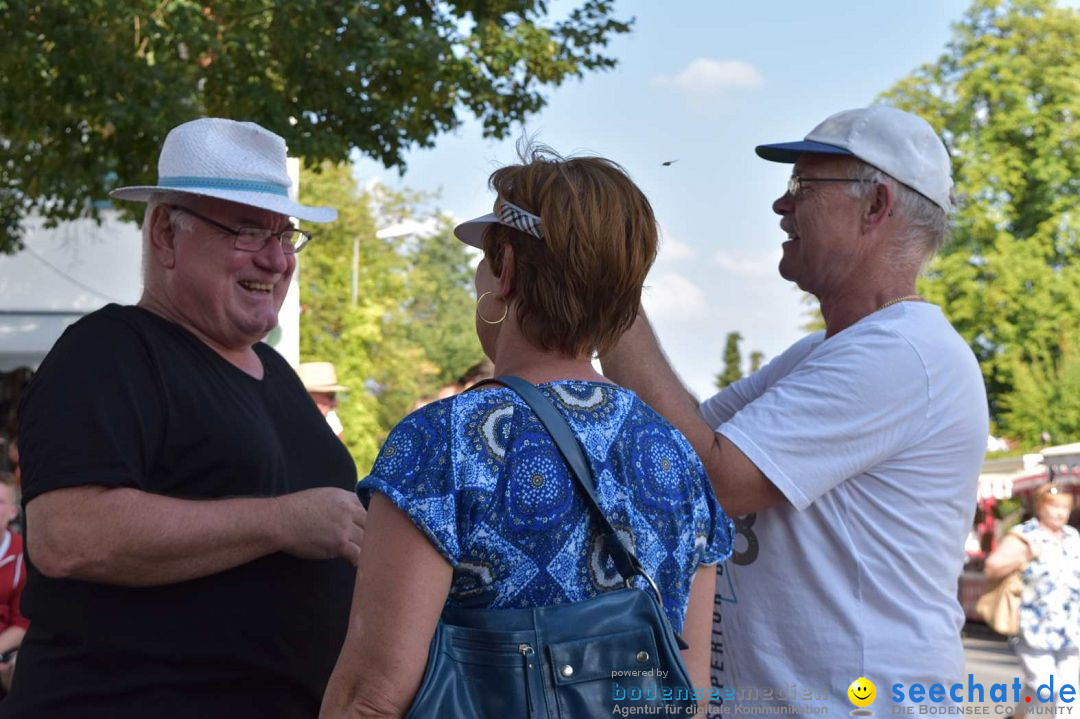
[(64, 273)]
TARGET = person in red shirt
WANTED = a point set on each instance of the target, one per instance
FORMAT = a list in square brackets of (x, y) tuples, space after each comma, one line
[(12, 579)]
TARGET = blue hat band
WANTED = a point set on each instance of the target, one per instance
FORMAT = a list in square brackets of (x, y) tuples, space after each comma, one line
[(223, 183)]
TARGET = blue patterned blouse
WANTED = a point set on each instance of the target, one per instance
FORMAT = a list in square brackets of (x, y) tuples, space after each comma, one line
[(480, 476), (1050, 602)]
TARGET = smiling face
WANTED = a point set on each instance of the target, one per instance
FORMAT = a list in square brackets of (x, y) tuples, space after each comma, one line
[(862, 692), (226, 296), (822, 223)]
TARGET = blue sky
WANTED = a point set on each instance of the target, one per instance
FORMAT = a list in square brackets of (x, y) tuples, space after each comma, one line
[(703, 82)]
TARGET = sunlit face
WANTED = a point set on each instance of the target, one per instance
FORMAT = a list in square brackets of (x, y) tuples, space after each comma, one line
[(1053, 511), (822, 223), (490, 308), (228, 296)]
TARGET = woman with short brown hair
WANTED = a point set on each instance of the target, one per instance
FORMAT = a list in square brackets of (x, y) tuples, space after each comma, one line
[(578, 290), (471, 503)]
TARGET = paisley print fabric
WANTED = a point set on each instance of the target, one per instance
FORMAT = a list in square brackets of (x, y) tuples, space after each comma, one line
[(481, 478)]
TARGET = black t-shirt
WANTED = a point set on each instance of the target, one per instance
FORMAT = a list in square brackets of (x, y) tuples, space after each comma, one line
[(129, 399)]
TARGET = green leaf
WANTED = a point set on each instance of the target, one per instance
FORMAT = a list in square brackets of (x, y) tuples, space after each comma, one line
[(1006, 97), (91, 88)]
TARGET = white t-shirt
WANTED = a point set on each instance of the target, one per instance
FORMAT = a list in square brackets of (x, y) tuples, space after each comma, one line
[(876, 437)]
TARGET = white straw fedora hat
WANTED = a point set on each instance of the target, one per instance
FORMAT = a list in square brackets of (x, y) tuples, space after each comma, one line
[(236, 161)]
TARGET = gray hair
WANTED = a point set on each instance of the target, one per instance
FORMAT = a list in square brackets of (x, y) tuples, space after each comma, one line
[(176, 219), (926, 225), (165, 197)]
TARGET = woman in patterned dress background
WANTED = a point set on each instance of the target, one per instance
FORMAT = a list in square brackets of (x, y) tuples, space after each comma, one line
[(471, 504), (1049, 640)]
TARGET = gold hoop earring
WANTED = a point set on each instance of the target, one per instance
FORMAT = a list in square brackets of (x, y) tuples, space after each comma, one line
[(506, 311)]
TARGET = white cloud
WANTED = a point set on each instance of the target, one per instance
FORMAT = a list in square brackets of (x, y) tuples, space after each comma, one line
[(672, 250), (671, 297), (704, 75), (758, 265)]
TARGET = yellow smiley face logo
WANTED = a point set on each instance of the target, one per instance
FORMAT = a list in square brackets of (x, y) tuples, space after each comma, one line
[(862, 692)]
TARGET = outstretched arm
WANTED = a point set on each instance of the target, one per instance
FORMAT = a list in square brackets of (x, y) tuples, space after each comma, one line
[(638, 362), (128, 537)]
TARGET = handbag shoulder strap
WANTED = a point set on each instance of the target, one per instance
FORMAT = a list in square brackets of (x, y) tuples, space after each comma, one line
[(625, 561)]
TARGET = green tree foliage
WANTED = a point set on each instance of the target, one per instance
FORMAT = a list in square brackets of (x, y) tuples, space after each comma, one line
[(732, 361), (757, 359), (90, 87), (389, 347), (441, 314), (332, 327), (437, 300), (1005, 98), (1046, 396)]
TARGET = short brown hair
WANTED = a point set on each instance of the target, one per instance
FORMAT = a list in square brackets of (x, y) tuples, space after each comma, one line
[(579, 288)]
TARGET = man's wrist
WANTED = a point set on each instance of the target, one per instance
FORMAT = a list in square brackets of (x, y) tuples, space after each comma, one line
[(273, 522)]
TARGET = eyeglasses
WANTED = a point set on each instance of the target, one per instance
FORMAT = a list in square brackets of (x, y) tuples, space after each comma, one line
[(795, 183), (253, 239)]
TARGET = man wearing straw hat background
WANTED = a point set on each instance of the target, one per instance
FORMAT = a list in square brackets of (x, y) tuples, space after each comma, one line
[(190, 517), (320, 381)]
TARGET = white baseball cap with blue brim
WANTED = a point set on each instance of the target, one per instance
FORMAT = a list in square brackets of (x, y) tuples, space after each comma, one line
[(898, 143), (236, 161)]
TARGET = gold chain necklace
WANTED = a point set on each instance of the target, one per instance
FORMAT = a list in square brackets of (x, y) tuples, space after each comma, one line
[(905, 298)]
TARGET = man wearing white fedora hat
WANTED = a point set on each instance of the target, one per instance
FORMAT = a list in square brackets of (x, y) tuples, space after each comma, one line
[(191, 522), (854, 456)]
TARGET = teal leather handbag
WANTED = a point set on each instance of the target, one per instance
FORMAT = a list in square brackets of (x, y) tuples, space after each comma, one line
[(569, 661)]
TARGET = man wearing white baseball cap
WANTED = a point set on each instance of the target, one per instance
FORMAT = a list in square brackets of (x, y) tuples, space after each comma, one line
[(854, 455), (191, 521)]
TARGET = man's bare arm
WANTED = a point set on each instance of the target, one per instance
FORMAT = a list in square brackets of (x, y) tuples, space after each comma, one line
[(133, 538), (639, 363)]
